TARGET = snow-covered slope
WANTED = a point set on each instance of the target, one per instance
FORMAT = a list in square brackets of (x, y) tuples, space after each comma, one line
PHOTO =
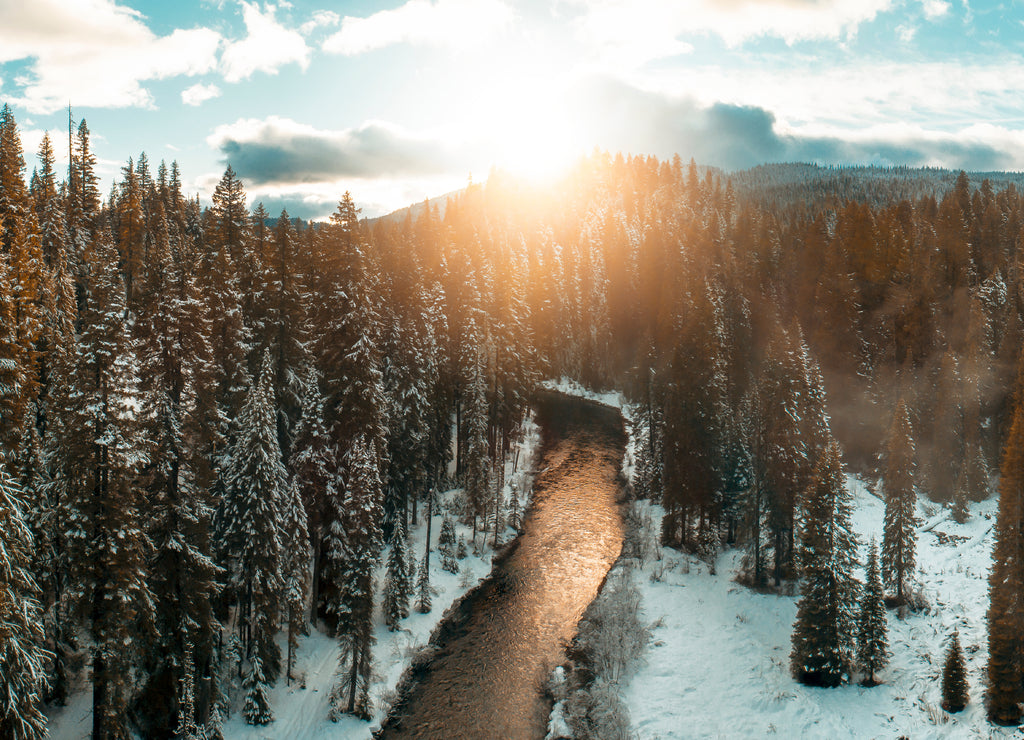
[(718, 665)]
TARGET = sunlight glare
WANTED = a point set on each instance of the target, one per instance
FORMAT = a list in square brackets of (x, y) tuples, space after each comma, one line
[(523, 117)]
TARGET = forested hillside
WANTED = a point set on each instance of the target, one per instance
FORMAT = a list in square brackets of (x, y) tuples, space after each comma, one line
[(210, 426)]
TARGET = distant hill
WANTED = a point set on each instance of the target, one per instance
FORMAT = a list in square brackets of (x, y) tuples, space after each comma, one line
[(776, 185), (438, 202)]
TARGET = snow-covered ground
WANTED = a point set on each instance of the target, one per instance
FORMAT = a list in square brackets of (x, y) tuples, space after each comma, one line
[(301, 709), (718, 664)]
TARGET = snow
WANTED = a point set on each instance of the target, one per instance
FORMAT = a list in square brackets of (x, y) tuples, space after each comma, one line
[(571, 387), (718, 663), (300, 710)]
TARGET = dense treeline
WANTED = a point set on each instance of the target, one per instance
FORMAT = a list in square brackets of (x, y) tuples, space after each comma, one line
[(212, 421)]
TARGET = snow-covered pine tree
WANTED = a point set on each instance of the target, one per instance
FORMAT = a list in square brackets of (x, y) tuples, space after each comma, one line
[(423, 600), (460, 548), (447, 536), (176, 368), (872, 645), (955, 693), (397, 588), (824, 631), (99, 452), (254, 503), (477, 474), (295, 569), (899, 538), (446, 546), (313, 466), (257, 702), (360, 541), (23, 658)]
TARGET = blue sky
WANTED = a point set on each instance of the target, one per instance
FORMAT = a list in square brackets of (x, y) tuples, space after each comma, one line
[(396, 101)]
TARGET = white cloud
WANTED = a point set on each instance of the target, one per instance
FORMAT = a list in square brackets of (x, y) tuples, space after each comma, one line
[(862, 94), (281, 151), (267, 46), (906, 33), (935, 8), (320, 18), (457, 23), (199, 94), (95, 53), (637, 31)]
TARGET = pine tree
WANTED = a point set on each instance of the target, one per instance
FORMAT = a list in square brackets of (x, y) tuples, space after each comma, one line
[(314, 468), (872, 646), (176, 369), (955, 695), (23, 658), (359, 538), (397, 588), (257, 703), (252, 509), (423, 600), (295, 569), (899, 539), (823, 634), (99, 452), (477, 477), (1006, 583)]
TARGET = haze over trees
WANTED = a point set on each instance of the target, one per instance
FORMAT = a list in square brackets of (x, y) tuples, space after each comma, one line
[(212, 421)]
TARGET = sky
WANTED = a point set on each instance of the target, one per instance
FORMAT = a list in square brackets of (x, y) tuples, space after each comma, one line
[(399, 101)]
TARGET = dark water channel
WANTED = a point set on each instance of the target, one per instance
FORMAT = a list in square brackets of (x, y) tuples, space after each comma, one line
[(494, 655)]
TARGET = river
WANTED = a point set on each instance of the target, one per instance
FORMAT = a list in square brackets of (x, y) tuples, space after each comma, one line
[(486, 679)]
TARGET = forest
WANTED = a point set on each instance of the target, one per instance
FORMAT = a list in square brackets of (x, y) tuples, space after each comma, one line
[(213, 419)]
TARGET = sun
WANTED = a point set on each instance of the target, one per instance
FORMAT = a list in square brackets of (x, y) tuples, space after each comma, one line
[(522, 117)]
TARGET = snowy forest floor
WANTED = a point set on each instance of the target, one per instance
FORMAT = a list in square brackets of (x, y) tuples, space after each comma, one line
[(718, 662), (301, 709)]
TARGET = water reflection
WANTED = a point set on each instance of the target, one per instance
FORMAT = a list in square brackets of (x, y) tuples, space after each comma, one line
[(487, 677)]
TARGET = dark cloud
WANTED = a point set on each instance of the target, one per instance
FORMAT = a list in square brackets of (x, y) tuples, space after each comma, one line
[(282, 152), (737, 137)]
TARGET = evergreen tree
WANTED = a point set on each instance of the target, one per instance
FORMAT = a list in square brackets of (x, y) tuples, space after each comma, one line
[(257, 703), (99, 452), (397, 586), (477, 476), (423, 601), (295, 569), (252, 509), (872, 646), (955, 694), (23, 657), (1006, 583), (359, 535), (899, 539), (314, 468), (823, 634)]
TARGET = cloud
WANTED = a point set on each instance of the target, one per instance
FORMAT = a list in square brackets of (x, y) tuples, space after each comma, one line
[(267, 46), (935, 8), (95, 53), (320, 18), (199, 94), (279, 150), (457, 23), (741, 136), (637, 31)]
